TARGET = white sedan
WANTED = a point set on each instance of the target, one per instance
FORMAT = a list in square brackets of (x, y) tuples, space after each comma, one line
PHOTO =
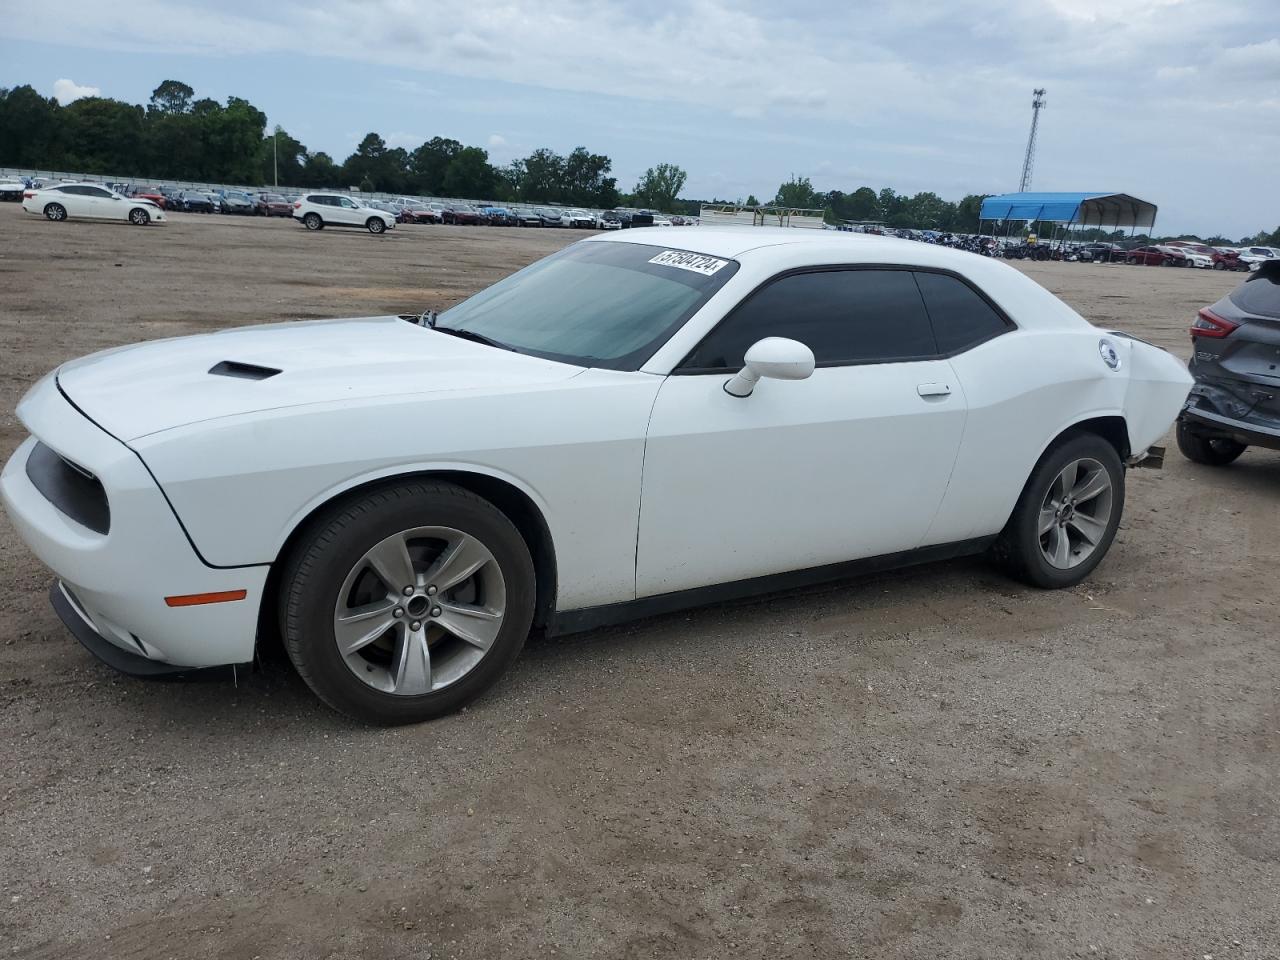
[(90, 201), (620, 429)]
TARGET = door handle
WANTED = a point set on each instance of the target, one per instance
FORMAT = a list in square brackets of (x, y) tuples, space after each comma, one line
[(934, 390)]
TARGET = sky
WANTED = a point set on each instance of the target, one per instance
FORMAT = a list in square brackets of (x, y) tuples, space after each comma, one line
[(1173, 101)]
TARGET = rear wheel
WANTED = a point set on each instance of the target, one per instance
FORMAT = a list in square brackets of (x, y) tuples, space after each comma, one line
[(1211, 451), (139, 217), (312, 221), (408, 602), (375, 225), (1067, 516), (55, 212)]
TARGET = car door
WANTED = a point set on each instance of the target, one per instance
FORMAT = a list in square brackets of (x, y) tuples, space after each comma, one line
[(104, 204), (346, 211), (77, 201), (849, 463)]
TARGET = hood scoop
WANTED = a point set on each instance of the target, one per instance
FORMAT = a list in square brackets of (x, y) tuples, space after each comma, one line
[(242, 371)]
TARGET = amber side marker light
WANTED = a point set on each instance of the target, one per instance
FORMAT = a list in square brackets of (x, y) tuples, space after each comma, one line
[(195, 599)]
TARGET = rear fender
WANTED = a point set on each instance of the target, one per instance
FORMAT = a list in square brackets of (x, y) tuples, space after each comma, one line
[(1156, 392)]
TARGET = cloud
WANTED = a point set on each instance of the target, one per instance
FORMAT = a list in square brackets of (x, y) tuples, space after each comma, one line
[(932, 94), (497, 140), (68, 90)]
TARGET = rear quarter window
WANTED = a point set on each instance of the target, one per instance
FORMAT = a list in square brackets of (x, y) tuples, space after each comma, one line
[(961, 317)]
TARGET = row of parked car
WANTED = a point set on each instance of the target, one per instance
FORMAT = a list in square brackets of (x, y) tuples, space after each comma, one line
[(1177, 253), (261, 204), (408, 210)]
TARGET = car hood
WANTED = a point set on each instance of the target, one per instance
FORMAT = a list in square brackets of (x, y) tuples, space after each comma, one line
[(145, 388)]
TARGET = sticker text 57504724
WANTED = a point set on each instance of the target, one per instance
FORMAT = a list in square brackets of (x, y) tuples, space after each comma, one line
[(695, 262)]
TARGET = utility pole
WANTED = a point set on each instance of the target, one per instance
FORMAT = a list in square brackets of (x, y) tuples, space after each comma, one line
[(1037, 103), (275, 160)]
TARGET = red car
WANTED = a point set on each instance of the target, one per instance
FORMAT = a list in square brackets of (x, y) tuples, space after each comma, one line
[(272, 205), (149, 193), (464, 214), (1155, 257), (418, 213)]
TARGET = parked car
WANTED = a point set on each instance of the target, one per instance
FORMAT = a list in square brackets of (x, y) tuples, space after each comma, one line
[(527, 217), (315, 211), (272, 205), (194, 201), (155, 194), (1100, 252), (609, 220), (549, 217), (236, 201), (1228, 258), (407, 497), (1253, 257), (462, 213), (641, 218), (1198, 254), (11, 190), (577, 219), (1235, 359), (1156, 256), (499, 217), (661, 221), (72, 201)]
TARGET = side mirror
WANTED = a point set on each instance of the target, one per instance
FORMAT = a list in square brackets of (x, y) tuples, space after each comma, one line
[(775, 357)]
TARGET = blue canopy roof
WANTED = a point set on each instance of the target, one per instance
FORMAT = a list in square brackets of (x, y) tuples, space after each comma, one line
[(1081, 209)]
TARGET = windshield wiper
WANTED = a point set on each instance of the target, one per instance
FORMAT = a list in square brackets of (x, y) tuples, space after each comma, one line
[(473, 337)]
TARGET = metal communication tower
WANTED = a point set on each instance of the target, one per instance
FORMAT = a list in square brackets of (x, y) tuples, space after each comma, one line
[(1037, 102)]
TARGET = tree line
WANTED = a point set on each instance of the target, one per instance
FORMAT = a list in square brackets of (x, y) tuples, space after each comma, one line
[(177, 136)]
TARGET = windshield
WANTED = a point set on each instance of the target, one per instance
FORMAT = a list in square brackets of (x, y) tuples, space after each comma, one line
[(594, 304)]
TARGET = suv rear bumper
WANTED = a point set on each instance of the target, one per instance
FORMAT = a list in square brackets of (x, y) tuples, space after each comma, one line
[(1208, 423)]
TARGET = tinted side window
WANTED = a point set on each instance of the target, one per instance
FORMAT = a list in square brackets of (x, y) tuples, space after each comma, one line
[(843, 316), (95, 192), (961, 318)]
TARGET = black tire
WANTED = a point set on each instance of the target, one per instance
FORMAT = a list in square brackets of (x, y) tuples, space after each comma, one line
[(312, 221), (139, 217), (1211, 451), (1019, 543), (55, 212), (313, 576), (375, 225)]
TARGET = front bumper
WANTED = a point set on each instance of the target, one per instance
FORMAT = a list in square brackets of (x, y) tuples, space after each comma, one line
[(120, 579)]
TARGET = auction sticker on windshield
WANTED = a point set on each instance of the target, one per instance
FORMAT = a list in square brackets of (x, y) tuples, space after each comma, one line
[(695, 262)]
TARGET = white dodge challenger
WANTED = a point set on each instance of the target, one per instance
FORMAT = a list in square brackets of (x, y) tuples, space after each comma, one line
[(620, 429)]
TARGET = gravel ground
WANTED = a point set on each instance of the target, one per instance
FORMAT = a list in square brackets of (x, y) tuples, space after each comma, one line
[(936, 763)]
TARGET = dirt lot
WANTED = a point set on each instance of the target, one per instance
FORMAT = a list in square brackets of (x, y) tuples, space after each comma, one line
[(938, 763)]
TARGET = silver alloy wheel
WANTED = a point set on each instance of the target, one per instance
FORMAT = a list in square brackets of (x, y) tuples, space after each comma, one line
[(419, 610), (55, 212), (139, 216), (1075, 513)]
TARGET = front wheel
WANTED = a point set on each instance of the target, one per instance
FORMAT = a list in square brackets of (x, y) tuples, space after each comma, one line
[(408, 602), (139, 217), (312, 221), (55, 212), (1211, 451), (1068, 513), (376, 225)]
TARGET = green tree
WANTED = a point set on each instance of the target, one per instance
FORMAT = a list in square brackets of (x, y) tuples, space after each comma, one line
[(541, 176), (319, 170), (102, 135), (172, 96), (796, 192), (659, 186), (429, 162), (284, 156), (751, 201), (470, 175), (30, 129), (385, 168), (585, 179)]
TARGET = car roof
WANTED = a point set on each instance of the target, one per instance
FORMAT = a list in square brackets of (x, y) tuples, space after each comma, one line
[(823, 245)]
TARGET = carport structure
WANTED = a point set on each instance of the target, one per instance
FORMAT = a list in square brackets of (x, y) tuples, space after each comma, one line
[(1074, 211)]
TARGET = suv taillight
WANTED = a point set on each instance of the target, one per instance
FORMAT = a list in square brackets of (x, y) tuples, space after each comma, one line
[(297, 204), (1209, 324)]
